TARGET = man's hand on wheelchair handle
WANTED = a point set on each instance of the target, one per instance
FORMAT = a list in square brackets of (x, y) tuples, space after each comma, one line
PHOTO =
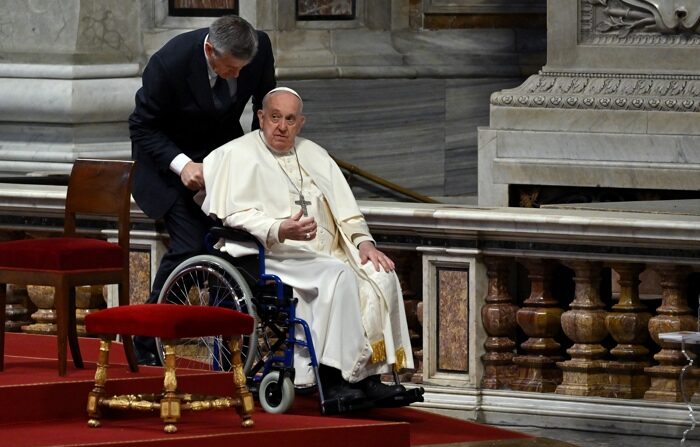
[(298, 228), (368, 252)]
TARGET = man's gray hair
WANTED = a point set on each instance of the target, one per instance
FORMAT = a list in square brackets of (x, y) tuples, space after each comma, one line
[(235, 36)]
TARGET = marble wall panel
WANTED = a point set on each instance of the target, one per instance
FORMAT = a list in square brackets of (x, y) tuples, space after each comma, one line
[(140, 276), (465, 111), (453, 320), (431, 124), (614, 147), (393, 128), (59, 31)]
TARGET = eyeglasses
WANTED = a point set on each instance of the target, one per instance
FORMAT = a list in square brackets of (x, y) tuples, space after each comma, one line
[(276, 118)]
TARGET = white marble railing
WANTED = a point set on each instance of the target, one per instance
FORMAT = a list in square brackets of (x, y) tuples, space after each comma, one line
[(471, 262)]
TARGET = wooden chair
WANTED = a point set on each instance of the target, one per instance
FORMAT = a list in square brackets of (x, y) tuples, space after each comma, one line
[(95, 188)]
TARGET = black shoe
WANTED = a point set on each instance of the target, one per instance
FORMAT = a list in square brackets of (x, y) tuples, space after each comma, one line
[(335, 387), (343, 391), (147, 359), (375, 390), (146, 353)]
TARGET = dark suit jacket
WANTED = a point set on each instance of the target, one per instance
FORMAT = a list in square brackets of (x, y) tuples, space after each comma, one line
[(175, 114)]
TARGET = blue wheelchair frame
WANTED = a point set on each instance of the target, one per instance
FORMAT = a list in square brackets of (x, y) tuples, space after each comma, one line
[(283, 303)]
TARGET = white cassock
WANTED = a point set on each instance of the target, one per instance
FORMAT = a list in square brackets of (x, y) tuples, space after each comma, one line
[(356, 314)]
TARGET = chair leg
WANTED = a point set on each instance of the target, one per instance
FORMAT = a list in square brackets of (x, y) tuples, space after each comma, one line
[(127, 339), (245, 409), (73, 330), (3, 300), (98, 392), (67, 333), (170, 403), (60, 300)]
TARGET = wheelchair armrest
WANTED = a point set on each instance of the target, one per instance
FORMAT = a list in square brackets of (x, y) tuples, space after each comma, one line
[(232, 234)]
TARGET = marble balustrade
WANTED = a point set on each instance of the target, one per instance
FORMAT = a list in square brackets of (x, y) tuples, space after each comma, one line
[(546, 317)]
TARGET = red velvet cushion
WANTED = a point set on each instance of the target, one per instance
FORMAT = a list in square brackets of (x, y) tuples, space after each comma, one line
[(169, 321), (60, 254)]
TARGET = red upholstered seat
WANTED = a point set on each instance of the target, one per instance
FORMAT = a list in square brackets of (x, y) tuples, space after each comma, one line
[(60, 254), (169, 321)]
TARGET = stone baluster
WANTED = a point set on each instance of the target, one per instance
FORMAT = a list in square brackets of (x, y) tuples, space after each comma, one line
[(672, 316), (45, 316), (17, 307), (87, 298), (498, 318), (627, 324), (584, 374), (540, 319)]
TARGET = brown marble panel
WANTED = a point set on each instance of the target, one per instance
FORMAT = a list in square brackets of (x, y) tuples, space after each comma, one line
[(205, 4), (140, 276), (325, 8), (453, 319), (462, 21)]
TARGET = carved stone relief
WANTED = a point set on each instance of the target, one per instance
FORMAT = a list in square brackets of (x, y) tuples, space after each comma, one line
[(613, 92), (635, 22)]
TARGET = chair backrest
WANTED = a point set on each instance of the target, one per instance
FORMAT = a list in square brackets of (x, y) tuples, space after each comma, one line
[(100, 188)]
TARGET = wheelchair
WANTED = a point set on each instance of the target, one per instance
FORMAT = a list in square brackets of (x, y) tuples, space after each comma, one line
[(241, 283)]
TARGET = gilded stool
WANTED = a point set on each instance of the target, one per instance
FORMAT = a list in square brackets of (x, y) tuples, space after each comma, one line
[(169, 322)]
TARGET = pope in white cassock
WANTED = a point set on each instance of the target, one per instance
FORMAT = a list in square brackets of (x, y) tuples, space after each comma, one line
[(289, 193)]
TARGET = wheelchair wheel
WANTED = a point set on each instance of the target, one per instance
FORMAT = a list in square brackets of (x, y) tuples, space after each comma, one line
[(273, 397), (208, 280)]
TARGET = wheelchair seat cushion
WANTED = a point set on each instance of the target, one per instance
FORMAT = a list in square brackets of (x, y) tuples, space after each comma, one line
[(169, 321)]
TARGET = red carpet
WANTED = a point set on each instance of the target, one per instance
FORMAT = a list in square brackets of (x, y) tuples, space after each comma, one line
[(39, 408)]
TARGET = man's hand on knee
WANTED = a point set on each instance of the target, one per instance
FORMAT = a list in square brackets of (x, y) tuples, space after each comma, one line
[(368, 252)]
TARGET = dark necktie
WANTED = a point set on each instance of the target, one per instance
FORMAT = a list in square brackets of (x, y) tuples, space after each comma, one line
[(222, 96)]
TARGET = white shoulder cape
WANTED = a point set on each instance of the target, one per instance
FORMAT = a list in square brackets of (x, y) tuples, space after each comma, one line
[(243, 174)]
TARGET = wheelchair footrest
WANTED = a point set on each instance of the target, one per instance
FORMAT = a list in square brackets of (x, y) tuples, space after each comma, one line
[(400, 400), (339, 406)]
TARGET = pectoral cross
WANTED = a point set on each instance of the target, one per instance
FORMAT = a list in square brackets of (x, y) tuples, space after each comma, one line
[(302, 203)]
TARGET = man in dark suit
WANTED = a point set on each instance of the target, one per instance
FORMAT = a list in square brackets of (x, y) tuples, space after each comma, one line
[(194, 91)]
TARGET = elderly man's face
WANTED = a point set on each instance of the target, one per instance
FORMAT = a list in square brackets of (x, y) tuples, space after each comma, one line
[(281, 120)]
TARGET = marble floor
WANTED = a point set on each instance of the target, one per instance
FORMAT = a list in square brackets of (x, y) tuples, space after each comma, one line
[(596, 439)]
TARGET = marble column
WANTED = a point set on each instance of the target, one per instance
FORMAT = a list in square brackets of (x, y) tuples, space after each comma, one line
[(498, 316), (584, 374), (68, 73), (672, 316), (627, 323), (540, 319)]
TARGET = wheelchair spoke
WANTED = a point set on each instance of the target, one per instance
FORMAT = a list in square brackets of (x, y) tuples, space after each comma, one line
[(206, 281)]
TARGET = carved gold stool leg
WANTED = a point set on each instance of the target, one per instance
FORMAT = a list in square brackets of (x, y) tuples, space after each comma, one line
[(98, 392), (245, 408), (170, 402)]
